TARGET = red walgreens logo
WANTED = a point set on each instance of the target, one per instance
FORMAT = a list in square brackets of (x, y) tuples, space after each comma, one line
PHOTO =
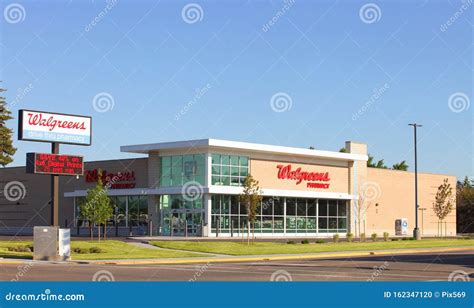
[(38, 120), (285, 172)]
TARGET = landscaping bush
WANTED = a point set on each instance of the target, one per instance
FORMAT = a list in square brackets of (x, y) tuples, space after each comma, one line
[(386, 236), (304, 242), (335, 238), (95, 250), (395, 239), (362, 237), (320, 241), (350, 237), (374, 237), (80, 250), (19, 249), (291, 242)]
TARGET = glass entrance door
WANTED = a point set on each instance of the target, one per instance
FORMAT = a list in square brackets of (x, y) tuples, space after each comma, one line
[(181, 222)]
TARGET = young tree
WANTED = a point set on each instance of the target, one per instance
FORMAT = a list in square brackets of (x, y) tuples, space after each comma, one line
[(6, 143), (97, 208), (400, 166), (444, 203), (362, 206), (251, 197)]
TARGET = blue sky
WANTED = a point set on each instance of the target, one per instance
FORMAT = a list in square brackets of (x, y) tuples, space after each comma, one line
[(321, 61)]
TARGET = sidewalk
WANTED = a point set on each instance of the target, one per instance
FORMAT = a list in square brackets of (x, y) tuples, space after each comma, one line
[(250, 258)]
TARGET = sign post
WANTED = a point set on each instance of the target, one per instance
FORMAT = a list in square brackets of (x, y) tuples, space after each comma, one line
[(52, 243), (55, 128), (55, 191)]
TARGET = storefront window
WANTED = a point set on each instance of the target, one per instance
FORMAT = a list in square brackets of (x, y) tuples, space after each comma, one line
[(180, 169), (302, 215), (128, 211), (229, 169)]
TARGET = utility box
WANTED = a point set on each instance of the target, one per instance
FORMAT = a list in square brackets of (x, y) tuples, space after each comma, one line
[(401, 226), (51, 243)]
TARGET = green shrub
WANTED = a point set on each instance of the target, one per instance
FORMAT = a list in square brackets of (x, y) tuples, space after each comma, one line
[(19, 249), (291, 242), (320, 241), (95, 250), (335, 238), (304, 242), (80, 250), (374, 236), (350, 237), (362, 237), (395, 239), (386, 236), (404, 238)]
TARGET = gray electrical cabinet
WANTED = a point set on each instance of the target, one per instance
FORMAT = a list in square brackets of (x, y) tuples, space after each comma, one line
[(51, 243)]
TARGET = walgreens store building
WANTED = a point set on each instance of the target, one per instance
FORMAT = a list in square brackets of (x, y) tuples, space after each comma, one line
[(191, 188)]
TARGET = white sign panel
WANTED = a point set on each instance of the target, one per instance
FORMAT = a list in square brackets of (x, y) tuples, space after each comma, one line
[(54, 127)]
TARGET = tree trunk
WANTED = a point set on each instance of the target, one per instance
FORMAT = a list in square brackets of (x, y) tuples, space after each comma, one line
[(253, 231), (248, 232), (105, 231), (98, 230), (91, 231)]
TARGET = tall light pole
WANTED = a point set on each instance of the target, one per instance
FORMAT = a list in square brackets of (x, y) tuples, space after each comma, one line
[(416, 231)]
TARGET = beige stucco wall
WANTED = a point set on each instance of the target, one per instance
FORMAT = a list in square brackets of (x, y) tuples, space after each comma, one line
[(394, 193), (266, 172)]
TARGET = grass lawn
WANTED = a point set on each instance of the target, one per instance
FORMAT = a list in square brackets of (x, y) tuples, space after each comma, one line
[(110, 250), (264, 248)]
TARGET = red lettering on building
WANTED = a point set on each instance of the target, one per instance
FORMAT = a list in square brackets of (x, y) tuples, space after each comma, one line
[(286, 172), (112, 179)]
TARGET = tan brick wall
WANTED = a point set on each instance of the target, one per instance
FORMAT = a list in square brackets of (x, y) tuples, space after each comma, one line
[(396, 199)]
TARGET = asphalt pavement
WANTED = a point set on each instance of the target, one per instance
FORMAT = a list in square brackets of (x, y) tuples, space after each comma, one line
[(452, 265)]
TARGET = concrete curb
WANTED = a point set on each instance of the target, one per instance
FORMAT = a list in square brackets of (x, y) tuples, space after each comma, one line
[(254, 258)]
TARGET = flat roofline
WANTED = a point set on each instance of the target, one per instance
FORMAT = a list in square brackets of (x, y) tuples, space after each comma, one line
[(246, 146)]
